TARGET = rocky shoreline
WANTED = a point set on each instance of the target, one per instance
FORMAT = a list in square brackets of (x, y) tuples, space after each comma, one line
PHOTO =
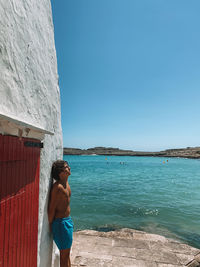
[(189, 152)]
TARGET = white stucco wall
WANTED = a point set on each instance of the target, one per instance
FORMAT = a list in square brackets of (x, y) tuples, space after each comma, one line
[(29, 89)]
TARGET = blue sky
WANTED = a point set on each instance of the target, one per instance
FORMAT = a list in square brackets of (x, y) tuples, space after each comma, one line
[(129, 72)]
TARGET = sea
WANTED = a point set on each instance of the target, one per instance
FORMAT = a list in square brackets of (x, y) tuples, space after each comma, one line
[(153, 194)]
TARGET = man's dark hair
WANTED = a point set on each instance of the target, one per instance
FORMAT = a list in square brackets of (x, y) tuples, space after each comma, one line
[(57, 168)]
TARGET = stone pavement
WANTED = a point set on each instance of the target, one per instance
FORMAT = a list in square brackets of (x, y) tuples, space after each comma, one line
[(130, 248)]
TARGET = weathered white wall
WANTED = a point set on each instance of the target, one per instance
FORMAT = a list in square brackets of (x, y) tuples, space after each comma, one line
[(29, 88)]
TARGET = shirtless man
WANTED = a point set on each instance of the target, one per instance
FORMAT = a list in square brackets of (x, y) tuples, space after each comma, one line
[(59, 211)]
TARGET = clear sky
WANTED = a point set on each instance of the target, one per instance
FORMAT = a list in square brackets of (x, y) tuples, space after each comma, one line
[(129, 72)]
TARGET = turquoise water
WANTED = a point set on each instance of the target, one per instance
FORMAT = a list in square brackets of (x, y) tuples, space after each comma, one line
[(142, 193)]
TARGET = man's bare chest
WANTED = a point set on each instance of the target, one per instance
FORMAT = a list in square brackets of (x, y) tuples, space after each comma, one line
[(65, 193)]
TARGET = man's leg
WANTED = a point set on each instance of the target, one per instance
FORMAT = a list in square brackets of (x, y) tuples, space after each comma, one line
[(65, 258)]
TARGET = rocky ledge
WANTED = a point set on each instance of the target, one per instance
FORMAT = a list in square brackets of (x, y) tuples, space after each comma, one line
[(189, 152), (130, 248)]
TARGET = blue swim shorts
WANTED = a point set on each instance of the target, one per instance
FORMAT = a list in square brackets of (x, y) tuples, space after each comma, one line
[(62, 229)]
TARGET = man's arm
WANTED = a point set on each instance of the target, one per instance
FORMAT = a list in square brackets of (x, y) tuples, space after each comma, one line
[(52, 204)]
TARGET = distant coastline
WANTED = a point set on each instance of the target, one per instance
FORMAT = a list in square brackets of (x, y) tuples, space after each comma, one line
[(189, 152)]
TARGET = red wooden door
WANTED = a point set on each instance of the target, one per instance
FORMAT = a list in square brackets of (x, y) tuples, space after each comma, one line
[(19, 198)]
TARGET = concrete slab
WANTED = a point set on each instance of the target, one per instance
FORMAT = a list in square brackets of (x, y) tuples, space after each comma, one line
[(130, 248)]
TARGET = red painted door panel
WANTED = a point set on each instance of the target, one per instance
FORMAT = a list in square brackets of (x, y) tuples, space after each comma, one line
[(19, 198)]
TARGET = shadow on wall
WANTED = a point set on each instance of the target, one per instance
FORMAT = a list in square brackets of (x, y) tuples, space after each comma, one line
[(56, 257), (46, 243), (47, 255)]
